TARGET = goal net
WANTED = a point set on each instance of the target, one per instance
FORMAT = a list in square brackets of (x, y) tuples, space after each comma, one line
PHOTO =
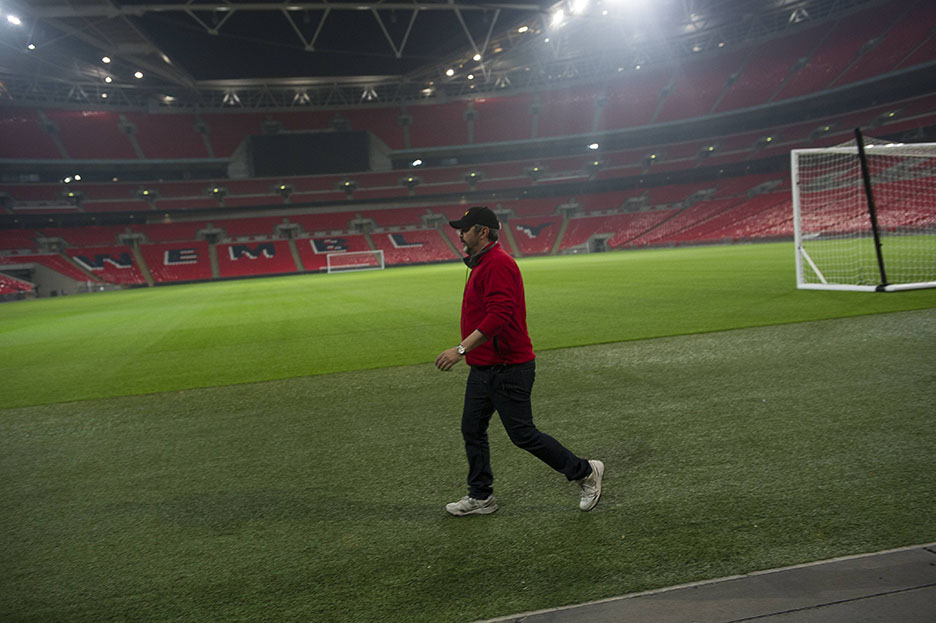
[(348, 261), (845, 242)]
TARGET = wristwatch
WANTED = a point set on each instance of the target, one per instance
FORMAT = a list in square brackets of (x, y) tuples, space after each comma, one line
[(461, 350)]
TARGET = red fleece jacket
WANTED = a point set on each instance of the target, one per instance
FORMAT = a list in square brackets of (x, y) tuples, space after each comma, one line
[(494, 304)]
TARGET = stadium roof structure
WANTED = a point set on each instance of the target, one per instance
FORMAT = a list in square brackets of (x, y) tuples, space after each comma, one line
[(266, 54)]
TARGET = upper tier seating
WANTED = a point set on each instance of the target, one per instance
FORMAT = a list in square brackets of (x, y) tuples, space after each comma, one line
[(22, 136), (889, 49), (92, 134), (167, 135), (16, 239), (836, 51)]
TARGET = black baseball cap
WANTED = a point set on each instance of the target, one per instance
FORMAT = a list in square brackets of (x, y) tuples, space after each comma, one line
[(477, 215)]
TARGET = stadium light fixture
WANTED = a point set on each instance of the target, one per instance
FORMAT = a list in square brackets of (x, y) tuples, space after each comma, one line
[(13, 19), (476, 57), (31, 46), (138, 75), (449, 72), (108, 79), (105, 59), (579, 6), (416, 163), (593, 146), (104, 95), (523, 29)]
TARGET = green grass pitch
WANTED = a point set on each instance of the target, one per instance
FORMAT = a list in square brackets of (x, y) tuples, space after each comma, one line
[(281, 449)]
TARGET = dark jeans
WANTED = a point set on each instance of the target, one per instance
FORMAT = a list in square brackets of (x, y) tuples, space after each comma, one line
[(506, 389)]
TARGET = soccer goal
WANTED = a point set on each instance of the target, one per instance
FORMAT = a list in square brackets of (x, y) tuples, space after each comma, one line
[(865, 216), (348, 261)]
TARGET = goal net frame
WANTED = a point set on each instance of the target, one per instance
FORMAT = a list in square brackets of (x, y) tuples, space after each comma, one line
[(844, 238), (357, 260)]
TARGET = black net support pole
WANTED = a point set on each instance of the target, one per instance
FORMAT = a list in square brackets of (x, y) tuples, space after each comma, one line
[(872, 212)]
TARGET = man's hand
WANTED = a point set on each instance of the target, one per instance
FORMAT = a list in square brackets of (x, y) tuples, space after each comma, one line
[(447, 359)]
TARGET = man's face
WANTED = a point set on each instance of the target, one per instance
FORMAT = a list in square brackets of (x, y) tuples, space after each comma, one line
[(473, 238)]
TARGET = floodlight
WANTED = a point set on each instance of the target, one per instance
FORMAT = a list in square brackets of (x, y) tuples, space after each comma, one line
[(593, 146), (471, 76), (476, 57), (417, 162), (108, 79), (450, 72), (31, 46), (104, 96), (105, 59), (523, 29), (77, 178), (14, 20), (138, 75), (579, 6)]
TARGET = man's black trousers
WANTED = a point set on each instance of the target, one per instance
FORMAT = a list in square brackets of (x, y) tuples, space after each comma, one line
[(506, 389)]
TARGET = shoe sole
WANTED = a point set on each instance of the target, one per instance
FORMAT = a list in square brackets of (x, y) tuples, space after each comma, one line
[(601, 471), (487, 510)]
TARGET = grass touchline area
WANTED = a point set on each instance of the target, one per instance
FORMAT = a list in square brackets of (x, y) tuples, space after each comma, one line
[(320, 498), (215, 334)]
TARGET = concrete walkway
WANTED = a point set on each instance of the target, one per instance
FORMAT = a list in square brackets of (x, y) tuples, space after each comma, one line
[(897, 585)]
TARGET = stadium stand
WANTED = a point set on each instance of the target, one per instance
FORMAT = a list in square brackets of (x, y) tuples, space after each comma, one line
[(503, 119), (167, 136), (270, 257), (833, 55), (889, 49), (89, 236), (571, 111), (413, 247), (12, 285), (21, 136), (112, 264), (53, 261), (177, 262), (18, 239), (314, 251), (92, 134), (429, 120), (535, 235), (698, 85)]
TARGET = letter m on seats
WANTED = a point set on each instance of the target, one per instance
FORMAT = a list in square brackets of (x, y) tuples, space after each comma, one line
[(121, 261), (266, 249)]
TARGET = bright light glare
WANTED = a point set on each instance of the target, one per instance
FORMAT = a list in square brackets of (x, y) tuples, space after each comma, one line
[(105, 59), (31, 46), (523, 29), (417, 162), (14, 20), (558, 18), (449, 72), (476, 57), (579, 6), (593, 146), (108, 79), (138, 75)]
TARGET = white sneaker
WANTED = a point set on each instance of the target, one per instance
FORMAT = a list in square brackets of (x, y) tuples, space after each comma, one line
[(471, 506), (591, 486)]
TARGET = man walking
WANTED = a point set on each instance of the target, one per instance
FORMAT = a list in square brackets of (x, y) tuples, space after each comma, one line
[(496, 345)]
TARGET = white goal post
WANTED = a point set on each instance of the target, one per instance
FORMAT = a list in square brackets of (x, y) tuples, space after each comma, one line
[(865, 229), (347, 261)]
